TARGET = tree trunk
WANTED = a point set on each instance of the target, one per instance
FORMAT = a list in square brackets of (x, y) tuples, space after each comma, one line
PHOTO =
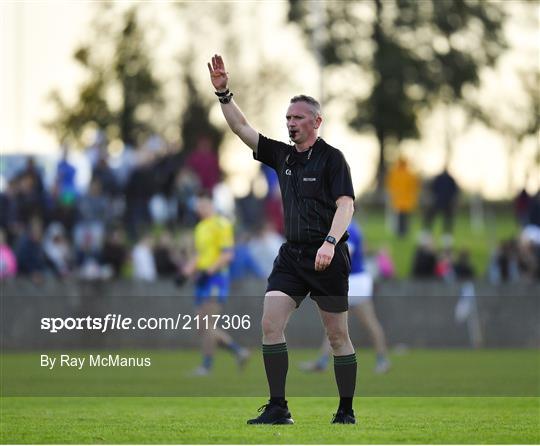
[(381, 167)]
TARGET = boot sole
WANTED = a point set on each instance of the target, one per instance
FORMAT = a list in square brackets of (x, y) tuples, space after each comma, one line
[(276, 422)]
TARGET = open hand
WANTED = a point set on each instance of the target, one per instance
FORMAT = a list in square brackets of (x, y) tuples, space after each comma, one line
[(218, 75)]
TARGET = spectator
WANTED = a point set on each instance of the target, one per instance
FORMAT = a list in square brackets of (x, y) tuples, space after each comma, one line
[(58, 250), (385, 268), (93, 210), (33, 171), (187, 186), (273, 207), (144, 265), (444, 268), (163, 255), (463, 269), (250, 208), (534, 210), (504, 266), (166, 168), (425, 259), (30, 256), (29, 199), (8, 262), (402, 187), (204, 162), (529, 252), (114, 252), (139, 190), (8, 212), (444, 192), (66, 191), (89, 261), (522, 204), (104, 174)]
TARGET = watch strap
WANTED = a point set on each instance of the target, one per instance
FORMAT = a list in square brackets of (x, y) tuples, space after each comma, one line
[(330, 239)]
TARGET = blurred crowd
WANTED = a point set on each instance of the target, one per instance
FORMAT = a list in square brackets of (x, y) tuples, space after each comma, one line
[(513, 259), (135, 220)]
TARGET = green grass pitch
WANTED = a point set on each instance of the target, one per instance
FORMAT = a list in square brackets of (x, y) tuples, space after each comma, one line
[(430, 396), (222, 420)]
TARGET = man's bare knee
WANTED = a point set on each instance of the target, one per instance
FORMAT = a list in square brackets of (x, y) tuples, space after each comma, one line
[(277, 309), (271, 328), (338, 339)]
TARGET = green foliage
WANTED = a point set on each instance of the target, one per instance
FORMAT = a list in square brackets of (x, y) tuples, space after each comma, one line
[(417, 54), (195, 120), (127, 73)]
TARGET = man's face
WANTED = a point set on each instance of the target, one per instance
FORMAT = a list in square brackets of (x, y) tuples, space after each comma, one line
[(301, 123), (204, 207)]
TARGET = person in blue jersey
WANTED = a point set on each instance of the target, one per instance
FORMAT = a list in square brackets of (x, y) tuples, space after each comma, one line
[(360, 304)]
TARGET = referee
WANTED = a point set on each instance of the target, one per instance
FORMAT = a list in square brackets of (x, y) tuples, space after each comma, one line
[(318, 198)]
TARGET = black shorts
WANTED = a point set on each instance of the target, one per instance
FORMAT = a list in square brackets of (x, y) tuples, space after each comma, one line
[(294, 274)]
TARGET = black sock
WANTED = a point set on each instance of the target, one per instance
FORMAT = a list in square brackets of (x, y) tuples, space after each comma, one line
[(345, 371), (276, 364)]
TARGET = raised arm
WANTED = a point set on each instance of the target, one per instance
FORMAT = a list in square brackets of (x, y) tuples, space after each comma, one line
[(233, 115)]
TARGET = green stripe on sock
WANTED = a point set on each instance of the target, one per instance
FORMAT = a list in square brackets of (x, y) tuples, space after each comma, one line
[(274, 348), (276, 352), (339, 364), (345, 360)]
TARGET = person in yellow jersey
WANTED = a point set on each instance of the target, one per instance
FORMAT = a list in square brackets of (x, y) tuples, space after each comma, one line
[(214, 245)]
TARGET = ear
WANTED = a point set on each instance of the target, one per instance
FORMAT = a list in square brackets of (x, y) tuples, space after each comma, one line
[(318, 122)]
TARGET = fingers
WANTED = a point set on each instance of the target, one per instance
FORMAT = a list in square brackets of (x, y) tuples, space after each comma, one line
[(217, 63), (322, 262)]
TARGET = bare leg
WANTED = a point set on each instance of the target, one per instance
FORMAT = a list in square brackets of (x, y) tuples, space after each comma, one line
[(365, 312), (337, 332), (277, 310)]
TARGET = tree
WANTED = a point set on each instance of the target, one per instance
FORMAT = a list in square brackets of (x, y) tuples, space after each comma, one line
[(417, 54), (257, 85), (131, 78), (195, 120)]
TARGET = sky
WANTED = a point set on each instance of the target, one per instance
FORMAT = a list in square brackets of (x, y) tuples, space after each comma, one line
[(38, 40)]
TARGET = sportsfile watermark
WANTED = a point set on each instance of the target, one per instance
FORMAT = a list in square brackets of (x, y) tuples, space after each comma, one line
[(152, 345), (112, 322)]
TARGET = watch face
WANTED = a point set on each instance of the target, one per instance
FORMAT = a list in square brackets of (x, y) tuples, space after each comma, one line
[(331, 239)]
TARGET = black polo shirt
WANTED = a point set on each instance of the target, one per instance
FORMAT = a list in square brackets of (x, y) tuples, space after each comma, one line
[(310, 183)]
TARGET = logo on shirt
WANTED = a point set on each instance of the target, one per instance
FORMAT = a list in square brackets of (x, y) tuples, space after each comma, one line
[(309, 179), (288, 172)]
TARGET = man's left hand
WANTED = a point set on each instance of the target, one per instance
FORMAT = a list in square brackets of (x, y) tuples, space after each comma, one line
[(324, 257)]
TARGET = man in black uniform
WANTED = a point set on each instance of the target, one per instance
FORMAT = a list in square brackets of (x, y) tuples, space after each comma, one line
[(318, 198)]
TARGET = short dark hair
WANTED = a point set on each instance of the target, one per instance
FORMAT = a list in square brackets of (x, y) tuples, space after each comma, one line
[(315, 106), (204, 194)]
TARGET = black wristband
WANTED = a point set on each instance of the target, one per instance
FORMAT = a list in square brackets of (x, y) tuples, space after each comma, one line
[(225, 99), (220, 94), (330, 239)]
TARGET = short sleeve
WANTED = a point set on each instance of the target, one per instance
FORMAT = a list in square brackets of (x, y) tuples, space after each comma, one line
[(270, 151), (340, 181)]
